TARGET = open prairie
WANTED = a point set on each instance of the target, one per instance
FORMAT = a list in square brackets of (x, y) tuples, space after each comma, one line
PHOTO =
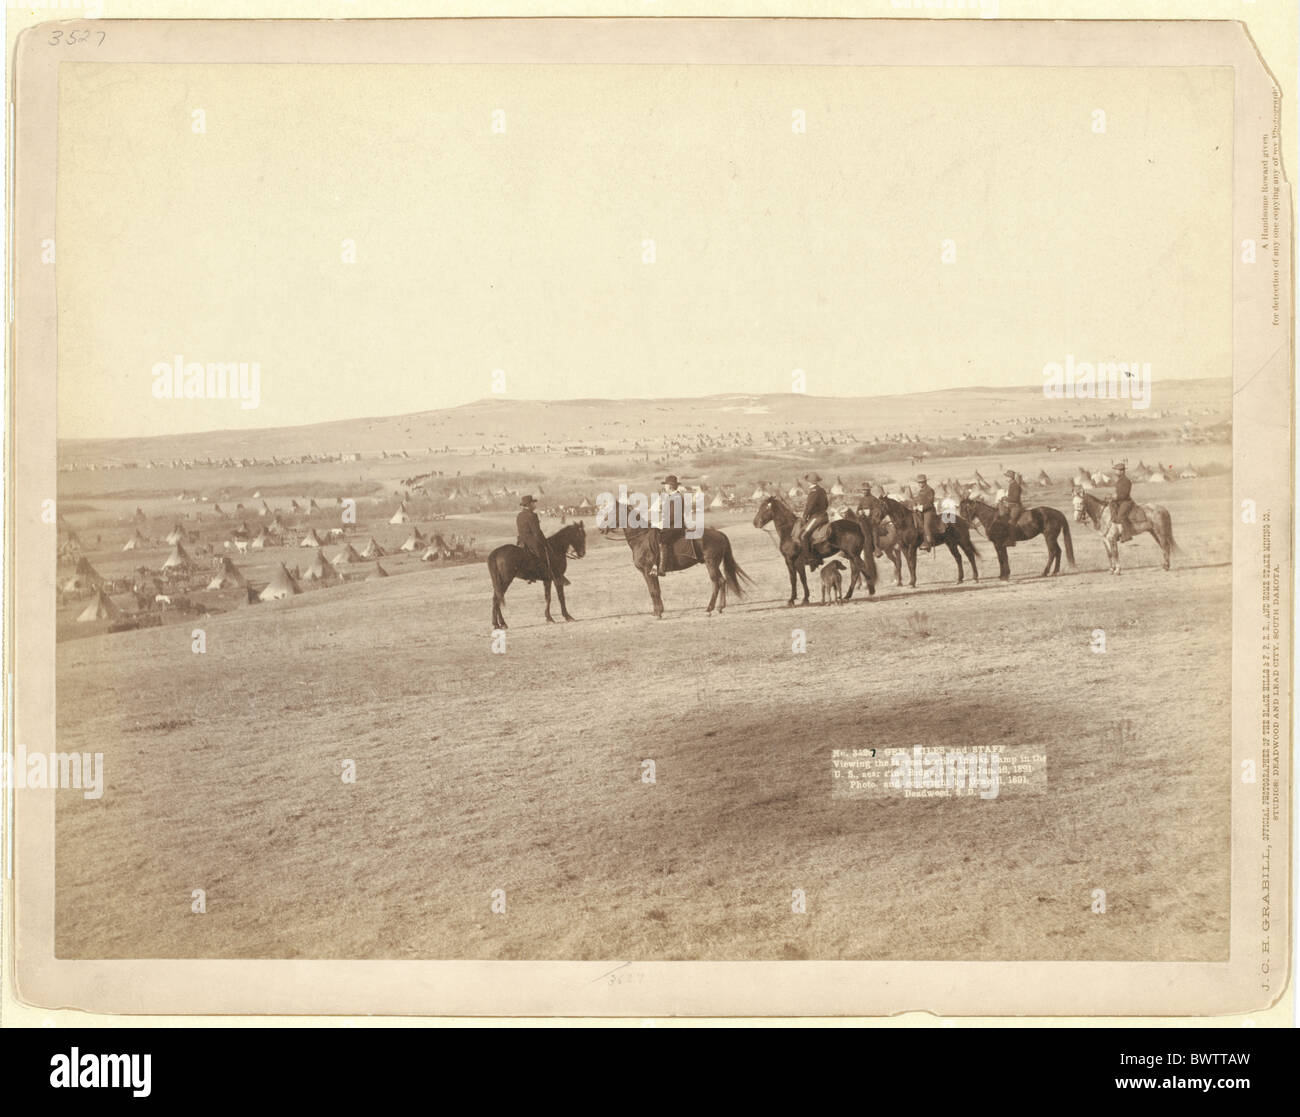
[(518, 764)]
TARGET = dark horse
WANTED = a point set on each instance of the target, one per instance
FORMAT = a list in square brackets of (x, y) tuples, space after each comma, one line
[(509, 562), (1043, 520), (850, 537), (713, 549), (906, 533)]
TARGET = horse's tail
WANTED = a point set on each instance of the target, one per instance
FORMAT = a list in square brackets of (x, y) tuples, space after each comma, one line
[(732, 572), (1069, 545), (1167, 530), (498, 579)]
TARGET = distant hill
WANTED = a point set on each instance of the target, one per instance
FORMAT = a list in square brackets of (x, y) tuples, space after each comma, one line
[(621, 423)]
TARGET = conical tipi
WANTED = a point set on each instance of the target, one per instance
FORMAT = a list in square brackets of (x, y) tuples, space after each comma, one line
[(178, 559), (227, 576), (320, 569), (101, 608), (281, 585)]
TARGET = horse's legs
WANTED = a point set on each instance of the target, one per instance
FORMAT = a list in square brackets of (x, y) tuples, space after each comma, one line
[(715, 576), (803, 577), (564, 609), (969, 548), (1004, 562), (794, 585), (1053, 553), (956, 557), (546, 585), (652, 584), (896, 557), (910, 554)]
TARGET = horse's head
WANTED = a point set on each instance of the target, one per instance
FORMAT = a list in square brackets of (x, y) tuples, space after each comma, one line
[(763, 516), (1080, 504), (577, 541)]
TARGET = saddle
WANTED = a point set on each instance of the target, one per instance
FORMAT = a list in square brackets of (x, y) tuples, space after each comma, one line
[(819, 536), (681, 554)]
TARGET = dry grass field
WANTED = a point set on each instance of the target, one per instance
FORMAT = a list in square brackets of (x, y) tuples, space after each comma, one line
[(522, 771)]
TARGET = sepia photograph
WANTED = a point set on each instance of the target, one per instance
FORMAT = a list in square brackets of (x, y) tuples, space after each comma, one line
[(579, 494)]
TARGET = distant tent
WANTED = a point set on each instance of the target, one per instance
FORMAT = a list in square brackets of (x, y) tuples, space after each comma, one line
[(294, 506), (320, 569), (227, 576), (400, 516), (312, 506), (717, 502), (837, 489), (176, 535), (586, 506), (101, 608), (372, 550), (759, 494), (378, 572), (311, 539), (262, 540), (178, 559), (265, 510), (216, 508), (1043, 479), (433, 554), (281, 585), (347, 556), (88, 573), (415, 541), (135, 542)]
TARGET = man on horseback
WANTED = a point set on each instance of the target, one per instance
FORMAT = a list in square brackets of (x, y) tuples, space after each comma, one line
[(528, 529), (925, 505), (1122, 505), (816, 512), (672, 525), (1014, 498)]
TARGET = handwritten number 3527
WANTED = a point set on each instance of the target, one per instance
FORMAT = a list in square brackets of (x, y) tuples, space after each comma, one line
[(72, 38)]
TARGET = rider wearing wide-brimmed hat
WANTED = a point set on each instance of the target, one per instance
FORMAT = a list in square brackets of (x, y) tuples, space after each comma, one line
[(672, 525), (1122, 505), (1014, 498), (529, 536), (816, 511), (929, 517)]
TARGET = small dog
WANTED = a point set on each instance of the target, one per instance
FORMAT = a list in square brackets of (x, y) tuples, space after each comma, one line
[(832, 583)]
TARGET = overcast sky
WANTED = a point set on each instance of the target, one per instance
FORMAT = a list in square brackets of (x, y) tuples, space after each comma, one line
[(524, 251)]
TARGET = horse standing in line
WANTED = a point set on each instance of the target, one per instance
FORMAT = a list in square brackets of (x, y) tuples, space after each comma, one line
[(1155, 521), (908, 533), (712, 549), (509, 562), (1044, 520), (850, 537)]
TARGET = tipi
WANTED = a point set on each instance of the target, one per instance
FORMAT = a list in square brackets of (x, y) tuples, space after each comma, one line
[(320, 569), (101, 608), (281, 585), (227, 576), (177, 560)]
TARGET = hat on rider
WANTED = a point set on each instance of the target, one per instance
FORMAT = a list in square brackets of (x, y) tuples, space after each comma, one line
[(1010, 473), (671, 479), (1121, 467), (525, 501), (921, 479), (815, 478)]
